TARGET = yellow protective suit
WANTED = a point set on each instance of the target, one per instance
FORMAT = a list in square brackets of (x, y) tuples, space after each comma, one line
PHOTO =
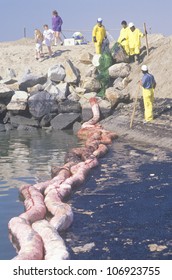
[(134, 41), (100, 33), (148, 98), (123, 39)]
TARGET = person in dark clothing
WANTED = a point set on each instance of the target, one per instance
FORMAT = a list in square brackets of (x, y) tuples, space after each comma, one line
[(56, 27)]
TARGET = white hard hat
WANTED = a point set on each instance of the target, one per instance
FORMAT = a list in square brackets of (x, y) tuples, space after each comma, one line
[(131, 24), (144, 68), (99, 19)]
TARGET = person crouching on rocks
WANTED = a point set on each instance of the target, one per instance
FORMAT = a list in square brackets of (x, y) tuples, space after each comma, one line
[(98, 34), (48, 38), (38, 39), (148, 84)]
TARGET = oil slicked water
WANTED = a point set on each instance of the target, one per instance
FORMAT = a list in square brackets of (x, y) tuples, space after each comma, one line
[(122, 211)]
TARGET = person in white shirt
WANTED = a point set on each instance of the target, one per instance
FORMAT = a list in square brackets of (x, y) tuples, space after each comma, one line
[(48, 38)]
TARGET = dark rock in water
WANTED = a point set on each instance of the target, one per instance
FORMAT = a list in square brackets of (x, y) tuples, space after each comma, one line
[(30, 80), (64, 121), (2, 127), (41, 104), (69, 106), (3, 108), (76, 127), (9, 127), (26, 128), (87, 114), (21, 120), (45, 121)]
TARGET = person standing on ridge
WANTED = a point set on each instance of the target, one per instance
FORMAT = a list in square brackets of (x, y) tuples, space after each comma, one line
[(56, 27), (148, 84), (123, 37), (48, 37), (98, 35), (134, 43)]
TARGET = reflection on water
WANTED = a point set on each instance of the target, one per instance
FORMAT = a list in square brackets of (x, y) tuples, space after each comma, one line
[(26, 158), (122, 209)]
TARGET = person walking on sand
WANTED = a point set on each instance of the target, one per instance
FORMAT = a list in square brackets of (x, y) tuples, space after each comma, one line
[(134, 43), (98, 35), (56, 27), (123, 37), (48, 38), (38, 39), (148, 84)]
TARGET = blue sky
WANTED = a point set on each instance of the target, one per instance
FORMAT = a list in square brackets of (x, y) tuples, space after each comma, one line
[(81, 15)]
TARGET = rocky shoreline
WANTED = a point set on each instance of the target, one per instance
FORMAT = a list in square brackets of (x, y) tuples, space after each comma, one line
[(56, 95)]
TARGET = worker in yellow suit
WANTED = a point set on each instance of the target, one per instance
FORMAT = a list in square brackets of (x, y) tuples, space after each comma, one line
[(123, 37), (98, 34), (134, 42), (148, 84)]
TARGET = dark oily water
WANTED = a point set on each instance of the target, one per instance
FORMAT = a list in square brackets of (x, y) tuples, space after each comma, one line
[(122, 211)]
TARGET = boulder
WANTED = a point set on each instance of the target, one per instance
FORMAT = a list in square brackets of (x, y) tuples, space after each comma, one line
[(76, 127), (41, 103), (112, 95), (91, 71), (30, 80), (63, 91), (26, 128), (21, 120), (9, 126), (56, 73), (18, 101), (45, 121), (86, 58), (69, 106), (64, 121), (91, 84), (36, 88), (105, 107), (5, 92), (119, 70), (72, 73), (3, 108), (84, 100), (121, 83), (8, 81)]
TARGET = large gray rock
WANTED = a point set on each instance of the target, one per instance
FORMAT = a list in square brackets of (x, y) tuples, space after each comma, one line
[(18, 101), (21, 120), (5, 92), (41, 103), (63, 91), (59, 91), (91, 84), (64, 121), (68, 106), (72, 73), (119, 70), (56, 73), (29, 80)]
